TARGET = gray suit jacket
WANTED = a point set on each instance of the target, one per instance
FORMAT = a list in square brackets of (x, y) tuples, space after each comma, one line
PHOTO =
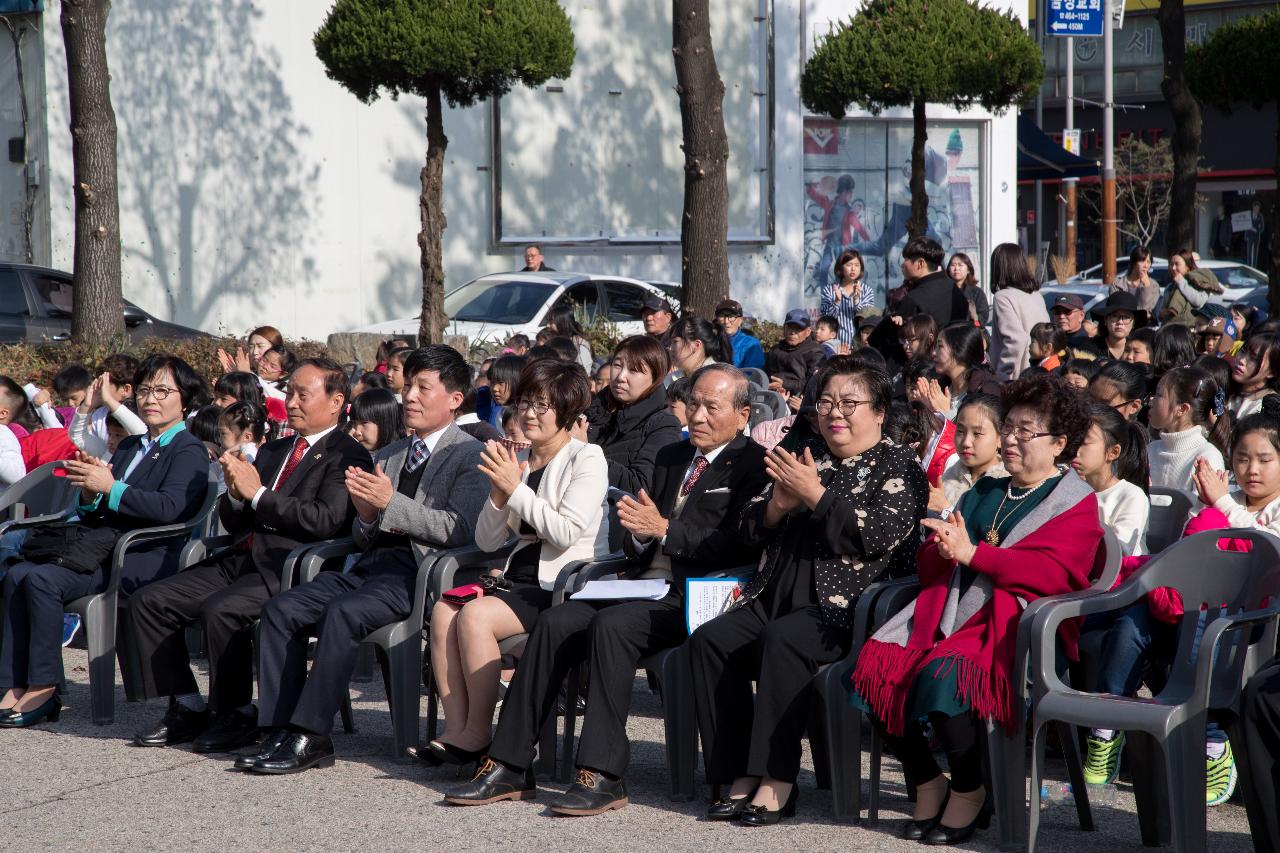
[(443, 513)]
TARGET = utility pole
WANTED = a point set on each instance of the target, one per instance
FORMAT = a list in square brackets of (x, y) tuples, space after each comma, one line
[(1069, 190), (1109, 223), (1041, 21)]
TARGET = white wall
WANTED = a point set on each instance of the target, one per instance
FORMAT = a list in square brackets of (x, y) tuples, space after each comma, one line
[(255, 190)]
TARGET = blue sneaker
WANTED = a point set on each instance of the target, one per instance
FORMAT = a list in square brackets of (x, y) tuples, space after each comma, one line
[(70, 624)]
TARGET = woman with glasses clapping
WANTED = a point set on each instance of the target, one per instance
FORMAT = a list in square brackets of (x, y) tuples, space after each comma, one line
[(554, 503)]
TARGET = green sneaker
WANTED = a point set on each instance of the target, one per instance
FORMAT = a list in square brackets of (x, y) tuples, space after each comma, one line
[(1220, 778), (1102, 764)]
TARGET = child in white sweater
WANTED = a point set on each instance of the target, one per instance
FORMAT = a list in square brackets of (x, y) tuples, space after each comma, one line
[(1188, 408), (1255, 461), (1113, 460)]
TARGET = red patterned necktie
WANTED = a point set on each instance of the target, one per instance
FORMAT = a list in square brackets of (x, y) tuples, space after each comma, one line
[(699, 465), (300, 448)]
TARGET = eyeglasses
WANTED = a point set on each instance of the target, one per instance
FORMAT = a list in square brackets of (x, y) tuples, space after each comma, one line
[(524, 407), (159, 392), (1022, 434), (845, 407)]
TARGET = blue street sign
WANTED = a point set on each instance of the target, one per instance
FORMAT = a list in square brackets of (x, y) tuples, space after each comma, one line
[(1076, 18)]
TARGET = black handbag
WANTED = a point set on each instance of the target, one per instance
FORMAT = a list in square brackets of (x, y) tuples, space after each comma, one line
[(71, 545)]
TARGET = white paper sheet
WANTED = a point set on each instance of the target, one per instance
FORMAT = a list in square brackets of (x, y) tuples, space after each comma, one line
[(638, 590), (707, 598)]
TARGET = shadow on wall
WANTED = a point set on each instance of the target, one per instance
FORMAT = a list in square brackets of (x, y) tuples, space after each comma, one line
[(216, 192)]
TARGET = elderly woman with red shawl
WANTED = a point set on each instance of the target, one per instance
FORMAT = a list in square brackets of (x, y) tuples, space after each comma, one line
[(948, 656)]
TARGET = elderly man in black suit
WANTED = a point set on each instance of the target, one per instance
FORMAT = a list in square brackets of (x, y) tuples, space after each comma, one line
[(294, 492), (425, 492), (688, 528)]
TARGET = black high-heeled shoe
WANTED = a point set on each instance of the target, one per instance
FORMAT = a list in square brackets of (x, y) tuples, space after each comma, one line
[(50, 710), (947, 836), (916, 830), (422, 755), (447, 753), (761, 816), (727, 808)]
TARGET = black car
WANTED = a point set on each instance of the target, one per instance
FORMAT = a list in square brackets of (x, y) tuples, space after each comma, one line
[(35, 306)]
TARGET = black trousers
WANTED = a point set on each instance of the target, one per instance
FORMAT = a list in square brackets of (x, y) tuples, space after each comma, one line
[(742, 737), (226, 601), (959, 738), (611, 637), (340, 610), (1261, 724), (34, 596)]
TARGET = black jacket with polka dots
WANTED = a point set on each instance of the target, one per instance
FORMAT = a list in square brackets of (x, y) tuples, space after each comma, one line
[(864, 529)]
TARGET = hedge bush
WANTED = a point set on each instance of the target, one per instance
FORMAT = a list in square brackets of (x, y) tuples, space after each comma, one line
[(38, 363)]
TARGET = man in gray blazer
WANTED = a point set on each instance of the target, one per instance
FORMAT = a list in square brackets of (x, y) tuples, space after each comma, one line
[(425, 493)]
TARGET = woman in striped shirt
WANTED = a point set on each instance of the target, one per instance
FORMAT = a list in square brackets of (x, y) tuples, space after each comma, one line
[(847, 295)]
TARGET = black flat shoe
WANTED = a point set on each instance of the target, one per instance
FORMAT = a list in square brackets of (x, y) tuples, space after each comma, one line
[(228, 732), (50, 710), (297, 752), (947, 836), (264, 750), (423, 755), (916, 830), (727, 808), (447, 753), (591, 794), (760, 816), (180, 724), (493, 782)]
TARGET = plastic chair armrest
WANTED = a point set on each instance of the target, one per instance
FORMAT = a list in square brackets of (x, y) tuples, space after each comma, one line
[(1213, 634), (311, 563)]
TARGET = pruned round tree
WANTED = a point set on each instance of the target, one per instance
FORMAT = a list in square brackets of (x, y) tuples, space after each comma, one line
[(1240, 64), (910, 53), (455, 51)]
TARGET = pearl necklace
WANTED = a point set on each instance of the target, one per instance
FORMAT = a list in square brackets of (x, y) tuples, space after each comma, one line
[(992, 536)]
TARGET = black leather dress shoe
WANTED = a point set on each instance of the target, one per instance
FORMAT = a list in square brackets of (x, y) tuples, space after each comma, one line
[(297, 752), (727, 808), (946, 836), (591, 794), (447, 753), (916, 830), (264, 750), (760, 816), (493, 783), (228, 732), (180, 724)]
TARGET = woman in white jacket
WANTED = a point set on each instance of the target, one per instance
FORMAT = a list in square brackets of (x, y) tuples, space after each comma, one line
[(555, 505), (1017, 306)]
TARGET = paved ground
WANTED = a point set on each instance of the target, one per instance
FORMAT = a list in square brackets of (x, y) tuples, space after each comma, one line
[(73, 785)]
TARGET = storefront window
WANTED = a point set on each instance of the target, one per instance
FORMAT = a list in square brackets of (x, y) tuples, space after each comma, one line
[(857, 196)]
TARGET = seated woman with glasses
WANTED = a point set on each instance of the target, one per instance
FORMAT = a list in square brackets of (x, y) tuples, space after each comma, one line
[(948, 656), (554, 503), (835, 519), (157, 478)]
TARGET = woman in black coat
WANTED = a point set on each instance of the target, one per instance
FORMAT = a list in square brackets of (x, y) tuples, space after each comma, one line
[(629, 418), (159, 477), (834, 521)]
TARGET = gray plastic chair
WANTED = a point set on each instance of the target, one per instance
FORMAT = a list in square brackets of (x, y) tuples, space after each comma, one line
[(760, 412), (775, 401), (399, 644), (756, 377), (1207, 676), (1170, 509), (99, 611), (38, 497)]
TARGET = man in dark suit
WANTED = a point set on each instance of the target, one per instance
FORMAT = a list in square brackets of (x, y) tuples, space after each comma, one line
[(294, 492), (689, 527), (429, 497), (929, 289)]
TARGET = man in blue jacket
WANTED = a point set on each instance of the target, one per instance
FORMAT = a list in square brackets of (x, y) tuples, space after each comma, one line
[(747, 351)]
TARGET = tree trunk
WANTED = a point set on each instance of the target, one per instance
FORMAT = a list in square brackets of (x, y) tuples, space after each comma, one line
[(431, 209), (1180, 232), (918, 224), (96, 314), (704, 225)]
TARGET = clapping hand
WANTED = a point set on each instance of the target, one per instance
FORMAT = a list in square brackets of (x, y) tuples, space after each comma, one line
[(91, 474), (504, 471), (93, 399), (775, 384), (795, 479), (1211, 484), (933, 393), (640, 516), (107, 392), (242, 478), (371, 491), (952, 538)]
